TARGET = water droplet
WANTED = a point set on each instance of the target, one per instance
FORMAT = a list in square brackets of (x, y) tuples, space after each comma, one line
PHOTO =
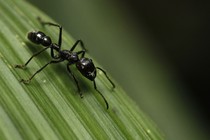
[(100, 72), (148, 131)]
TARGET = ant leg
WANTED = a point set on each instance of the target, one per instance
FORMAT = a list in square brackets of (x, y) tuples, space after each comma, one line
[(76, 43), (107, 105), (75, 80), (113, 85), (29, 80), (82, 52), (53, 24), (53, 55), (35, 54)]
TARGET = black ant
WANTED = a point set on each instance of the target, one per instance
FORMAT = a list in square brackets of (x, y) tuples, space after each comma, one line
[(83, 64)]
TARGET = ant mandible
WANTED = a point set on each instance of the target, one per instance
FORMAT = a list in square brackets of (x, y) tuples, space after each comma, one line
[(83, 64)]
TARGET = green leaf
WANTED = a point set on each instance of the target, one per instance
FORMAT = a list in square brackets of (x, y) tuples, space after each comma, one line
[(50, 106)]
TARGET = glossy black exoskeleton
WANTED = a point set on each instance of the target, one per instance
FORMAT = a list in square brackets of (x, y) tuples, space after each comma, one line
[(83, 64)]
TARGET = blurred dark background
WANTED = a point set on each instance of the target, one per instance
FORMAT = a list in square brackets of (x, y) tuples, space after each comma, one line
[(181, 28), (158, 51)]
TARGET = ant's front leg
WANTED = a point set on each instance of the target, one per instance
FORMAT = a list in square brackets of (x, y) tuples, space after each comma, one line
[(107, 105), (113, 85)]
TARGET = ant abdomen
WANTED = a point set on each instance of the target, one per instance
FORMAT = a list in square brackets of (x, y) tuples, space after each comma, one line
[(39, 37)]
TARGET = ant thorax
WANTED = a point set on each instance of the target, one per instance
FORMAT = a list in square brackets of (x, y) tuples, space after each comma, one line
[(69, 56)]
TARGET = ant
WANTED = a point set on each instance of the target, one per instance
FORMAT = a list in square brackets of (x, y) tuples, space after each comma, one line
[(83, 64)]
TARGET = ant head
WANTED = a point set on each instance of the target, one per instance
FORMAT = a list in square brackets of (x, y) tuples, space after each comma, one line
[(86, 68)]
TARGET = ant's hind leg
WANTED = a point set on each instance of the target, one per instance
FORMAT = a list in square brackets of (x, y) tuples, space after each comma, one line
[(53, 24), (30, 78), (35, 54)]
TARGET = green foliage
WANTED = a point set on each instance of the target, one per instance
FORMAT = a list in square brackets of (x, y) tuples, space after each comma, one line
[(50, 107)]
